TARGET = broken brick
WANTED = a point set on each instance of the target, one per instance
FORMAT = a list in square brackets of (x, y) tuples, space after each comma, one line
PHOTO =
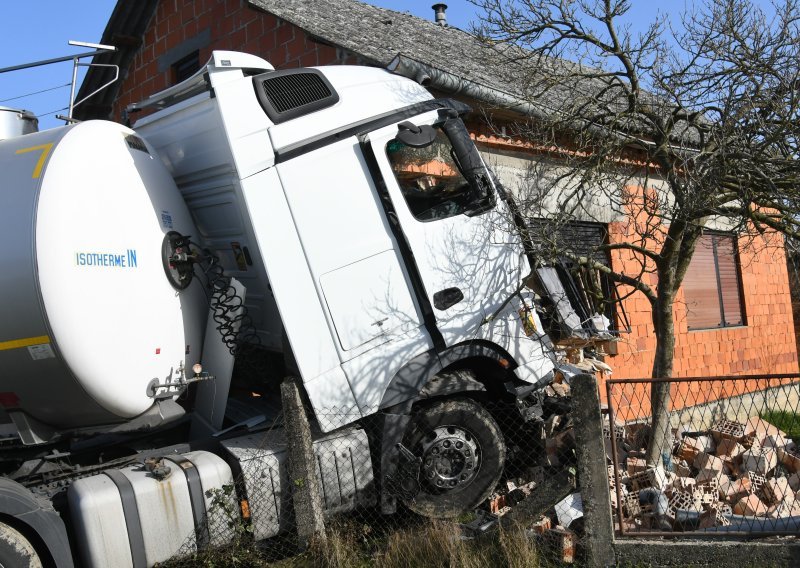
[(684, 484), (790, 458), (750, 506), (761, 462), (685, 501), (727, 429), (728, 447), (651, 477), (497, 504), (794, 481), (713, 517), (784, 509), (688, 449), (709, 476), (707, 461), (636, 465), (630, 506), (774, 441), (737, 490), (681, 469), (561, 541), (542, 525), (757, 481), (776, 490), (758, 429)]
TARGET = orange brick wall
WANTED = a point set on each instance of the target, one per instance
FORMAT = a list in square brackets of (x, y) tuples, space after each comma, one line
[(765, 345), (233, 25)]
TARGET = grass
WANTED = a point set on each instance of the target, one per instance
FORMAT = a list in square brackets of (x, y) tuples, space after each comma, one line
[(353, 545), (789, 422)]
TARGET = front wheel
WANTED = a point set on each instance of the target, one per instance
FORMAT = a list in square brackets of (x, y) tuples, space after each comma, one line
[(16, 551), (462, 451)]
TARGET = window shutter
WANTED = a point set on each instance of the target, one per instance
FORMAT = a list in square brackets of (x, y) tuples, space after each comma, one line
[(700, 288), (729, 280), (711, 286)]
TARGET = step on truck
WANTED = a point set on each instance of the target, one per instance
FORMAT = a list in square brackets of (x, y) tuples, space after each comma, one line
[(333, 224)]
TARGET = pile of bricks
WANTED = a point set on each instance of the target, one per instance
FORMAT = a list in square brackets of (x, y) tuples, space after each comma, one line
[(733, 471)]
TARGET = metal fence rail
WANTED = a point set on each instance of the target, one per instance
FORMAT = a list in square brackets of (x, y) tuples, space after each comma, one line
[(731, 465)]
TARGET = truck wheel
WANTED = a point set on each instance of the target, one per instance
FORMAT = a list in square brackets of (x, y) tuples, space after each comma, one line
[(16, 551), (462, 452)]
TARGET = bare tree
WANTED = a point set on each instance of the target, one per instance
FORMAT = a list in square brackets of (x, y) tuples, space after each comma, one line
[(674, 126)]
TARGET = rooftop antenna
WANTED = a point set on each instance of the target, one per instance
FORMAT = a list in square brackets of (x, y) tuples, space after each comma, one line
[(98, 48)]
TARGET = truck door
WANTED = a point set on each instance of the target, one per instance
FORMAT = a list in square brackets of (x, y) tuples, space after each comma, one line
[(461, 242)]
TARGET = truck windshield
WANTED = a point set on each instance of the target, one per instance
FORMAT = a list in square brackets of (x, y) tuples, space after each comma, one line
[(431, 179)]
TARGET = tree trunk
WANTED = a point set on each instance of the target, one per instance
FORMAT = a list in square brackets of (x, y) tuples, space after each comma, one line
[(664, 323)]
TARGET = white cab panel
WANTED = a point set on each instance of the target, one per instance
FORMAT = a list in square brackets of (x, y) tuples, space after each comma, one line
[(364, 92), (381, 306), (301, 312)]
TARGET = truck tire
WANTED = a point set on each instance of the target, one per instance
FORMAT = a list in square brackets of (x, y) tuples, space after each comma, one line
[(16, 551), (463, 453)]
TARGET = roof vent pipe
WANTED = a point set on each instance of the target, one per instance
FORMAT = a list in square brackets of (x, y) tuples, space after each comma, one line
[(439, 10), (15, 122)]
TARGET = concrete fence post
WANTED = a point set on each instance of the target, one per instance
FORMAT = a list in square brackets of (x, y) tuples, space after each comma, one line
[(305, 483), (592, 471)]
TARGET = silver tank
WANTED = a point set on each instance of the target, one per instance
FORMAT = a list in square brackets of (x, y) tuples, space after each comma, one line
[(15, 122), (88, 318)]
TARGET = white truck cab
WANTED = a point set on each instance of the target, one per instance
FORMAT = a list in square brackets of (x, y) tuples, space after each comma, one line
[(371, 238), (359, 215)]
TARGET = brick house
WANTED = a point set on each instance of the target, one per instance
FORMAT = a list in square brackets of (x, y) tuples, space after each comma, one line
[(735, 313)]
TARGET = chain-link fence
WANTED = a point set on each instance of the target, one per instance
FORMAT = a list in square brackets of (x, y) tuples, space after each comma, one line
[(727, 461), (471, 479)]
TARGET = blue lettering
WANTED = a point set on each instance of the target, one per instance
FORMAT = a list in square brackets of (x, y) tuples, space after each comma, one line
[(109, 259)]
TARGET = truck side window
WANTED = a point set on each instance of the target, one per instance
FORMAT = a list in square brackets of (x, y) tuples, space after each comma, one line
[(430, 179)]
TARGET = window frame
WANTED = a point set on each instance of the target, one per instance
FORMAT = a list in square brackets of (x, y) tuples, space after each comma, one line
[(576, 230), (466, 201)]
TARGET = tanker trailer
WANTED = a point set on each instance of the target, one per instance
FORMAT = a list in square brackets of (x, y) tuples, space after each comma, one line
[(91, 317)]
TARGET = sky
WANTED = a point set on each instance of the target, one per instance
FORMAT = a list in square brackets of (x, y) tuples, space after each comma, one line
[(35, 30)]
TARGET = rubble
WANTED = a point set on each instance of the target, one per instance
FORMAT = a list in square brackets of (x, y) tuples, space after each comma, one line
[(725, 475), (561, 542)]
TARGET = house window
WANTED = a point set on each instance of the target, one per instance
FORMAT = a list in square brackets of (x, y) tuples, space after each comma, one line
[(712, 285), (186, 67), (589, 291)]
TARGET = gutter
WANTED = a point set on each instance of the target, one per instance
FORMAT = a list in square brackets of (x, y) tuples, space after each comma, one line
[(428, 76)]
